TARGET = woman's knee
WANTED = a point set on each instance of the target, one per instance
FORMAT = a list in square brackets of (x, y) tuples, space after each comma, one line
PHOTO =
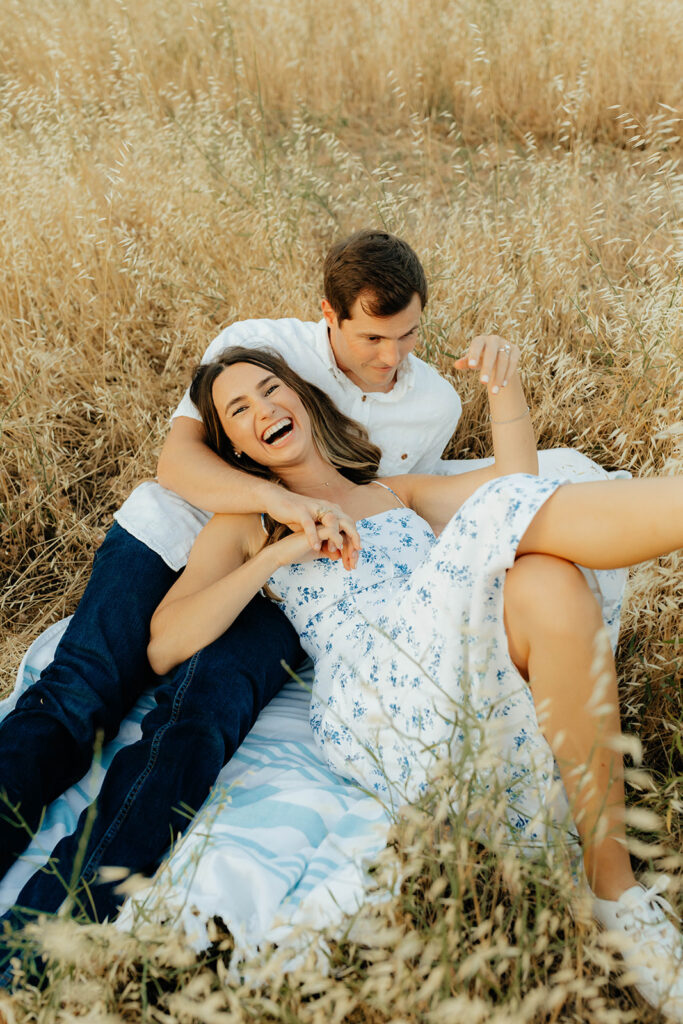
[(547, 589), (545, 594)]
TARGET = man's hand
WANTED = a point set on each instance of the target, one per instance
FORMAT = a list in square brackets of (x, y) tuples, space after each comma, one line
[(310, 516)]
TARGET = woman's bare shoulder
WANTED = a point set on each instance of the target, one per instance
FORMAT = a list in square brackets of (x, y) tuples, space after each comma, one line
[(405, 486), (227, 532)]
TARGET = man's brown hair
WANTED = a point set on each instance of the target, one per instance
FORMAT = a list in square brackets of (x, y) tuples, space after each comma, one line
[(380, 269)]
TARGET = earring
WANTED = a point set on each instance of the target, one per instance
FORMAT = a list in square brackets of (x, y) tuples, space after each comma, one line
[(238, 455)]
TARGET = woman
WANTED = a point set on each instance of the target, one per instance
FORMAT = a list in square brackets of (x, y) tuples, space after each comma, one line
[(427, 647)]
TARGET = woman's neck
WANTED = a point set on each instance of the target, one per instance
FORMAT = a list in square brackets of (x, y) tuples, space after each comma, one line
[(316, 479)]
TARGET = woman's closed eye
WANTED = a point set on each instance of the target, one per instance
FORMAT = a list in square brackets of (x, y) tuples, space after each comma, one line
[(269, 390)]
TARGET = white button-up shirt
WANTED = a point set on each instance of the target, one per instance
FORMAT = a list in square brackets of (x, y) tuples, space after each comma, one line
[(412, 424)]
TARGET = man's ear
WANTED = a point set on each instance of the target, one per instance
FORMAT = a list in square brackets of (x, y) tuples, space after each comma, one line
[(329, 314)]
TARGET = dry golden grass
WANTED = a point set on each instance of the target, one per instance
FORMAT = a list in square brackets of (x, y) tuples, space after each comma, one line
[(168, 168)]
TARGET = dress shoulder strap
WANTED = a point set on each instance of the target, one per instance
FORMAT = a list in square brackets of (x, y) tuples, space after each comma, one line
[(387, 488)]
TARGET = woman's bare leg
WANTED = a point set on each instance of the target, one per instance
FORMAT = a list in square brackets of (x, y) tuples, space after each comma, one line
[(609, 524), (553, 621)]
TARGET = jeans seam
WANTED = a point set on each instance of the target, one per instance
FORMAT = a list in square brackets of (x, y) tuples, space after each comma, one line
[(110, 834)]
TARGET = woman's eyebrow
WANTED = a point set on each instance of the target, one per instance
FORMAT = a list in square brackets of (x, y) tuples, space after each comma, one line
[(242, 398)]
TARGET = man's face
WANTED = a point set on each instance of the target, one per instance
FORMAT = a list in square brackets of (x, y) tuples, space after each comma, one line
[(370, 349)]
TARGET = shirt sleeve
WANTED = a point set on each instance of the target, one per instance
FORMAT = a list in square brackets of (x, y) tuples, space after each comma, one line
[(250, 333), (438, 410), (186, 406)]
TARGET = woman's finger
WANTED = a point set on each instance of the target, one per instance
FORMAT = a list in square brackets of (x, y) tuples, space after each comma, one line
[(332, 524), (349, 527), (310, 528), (461, 363), (501, 370), (326, 545), (513, 363), (340, 525), (331, 531), (475, 351), (349, 554), (346, 551), (488, 360), (495, 359)]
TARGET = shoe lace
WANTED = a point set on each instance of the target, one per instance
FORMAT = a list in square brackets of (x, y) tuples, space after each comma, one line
[(653, 897), (648, 907)]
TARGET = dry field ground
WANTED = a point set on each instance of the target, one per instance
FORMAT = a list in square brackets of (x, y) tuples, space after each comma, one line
[(169, 167)]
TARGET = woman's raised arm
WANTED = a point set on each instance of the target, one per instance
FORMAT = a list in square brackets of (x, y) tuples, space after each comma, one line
[(437, 498)]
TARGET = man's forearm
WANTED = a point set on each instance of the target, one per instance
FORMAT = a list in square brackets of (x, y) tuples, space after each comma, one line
[(201, 477), (190, 468)]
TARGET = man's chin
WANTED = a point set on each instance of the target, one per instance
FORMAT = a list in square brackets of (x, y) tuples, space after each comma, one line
[(383, 380)]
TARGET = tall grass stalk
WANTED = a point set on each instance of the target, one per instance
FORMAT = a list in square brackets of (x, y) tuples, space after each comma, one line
[(168, 168)]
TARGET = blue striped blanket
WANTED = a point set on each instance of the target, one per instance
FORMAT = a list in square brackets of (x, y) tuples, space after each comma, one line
[(280, 843)]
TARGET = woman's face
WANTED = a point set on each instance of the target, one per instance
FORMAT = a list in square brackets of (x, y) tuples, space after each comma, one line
[(261, 415)]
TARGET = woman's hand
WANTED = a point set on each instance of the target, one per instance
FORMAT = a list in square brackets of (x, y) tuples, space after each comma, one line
[(335, 543), (495, 358)]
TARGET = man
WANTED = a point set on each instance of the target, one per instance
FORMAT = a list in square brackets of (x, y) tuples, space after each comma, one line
[(361, 354)]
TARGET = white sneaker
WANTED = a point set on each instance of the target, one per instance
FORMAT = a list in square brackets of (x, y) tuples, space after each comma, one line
[(650, 944)]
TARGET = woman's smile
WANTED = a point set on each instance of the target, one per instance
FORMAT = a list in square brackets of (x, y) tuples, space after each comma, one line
[(278, 433)]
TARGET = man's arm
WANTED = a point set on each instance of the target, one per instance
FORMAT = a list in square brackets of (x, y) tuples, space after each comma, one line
[(190, 468)]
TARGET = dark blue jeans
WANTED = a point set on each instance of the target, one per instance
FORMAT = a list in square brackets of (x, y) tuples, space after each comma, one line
[(203, 711)]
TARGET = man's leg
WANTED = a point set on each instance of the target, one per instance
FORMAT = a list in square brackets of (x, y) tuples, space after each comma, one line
[(99, 670), (204, 710)]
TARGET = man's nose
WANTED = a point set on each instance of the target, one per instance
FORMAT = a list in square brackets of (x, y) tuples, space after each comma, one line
[(391, 355)]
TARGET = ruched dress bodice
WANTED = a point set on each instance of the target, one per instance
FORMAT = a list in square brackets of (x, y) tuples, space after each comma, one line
[(324, 602)]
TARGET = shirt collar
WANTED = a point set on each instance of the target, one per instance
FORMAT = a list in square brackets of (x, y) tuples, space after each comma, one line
[(405, 377)]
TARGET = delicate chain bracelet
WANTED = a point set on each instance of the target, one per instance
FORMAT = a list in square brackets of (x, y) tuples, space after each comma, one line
[(501, 423)]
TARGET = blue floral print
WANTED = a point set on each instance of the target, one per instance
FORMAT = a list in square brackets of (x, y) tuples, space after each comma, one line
[(411, 656)]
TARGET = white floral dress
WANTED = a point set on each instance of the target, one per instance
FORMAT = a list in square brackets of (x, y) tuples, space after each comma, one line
[(411, 656)]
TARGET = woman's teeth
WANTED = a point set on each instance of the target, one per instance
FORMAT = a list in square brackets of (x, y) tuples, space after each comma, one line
[(277, 430)]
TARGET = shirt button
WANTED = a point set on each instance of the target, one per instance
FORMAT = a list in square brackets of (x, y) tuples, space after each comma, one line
[(363, 399), (405, 455)]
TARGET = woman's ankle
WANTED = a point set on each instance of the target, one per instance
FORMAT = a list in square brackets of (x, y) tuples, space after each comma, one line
[(611, 888), (609, 873)]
